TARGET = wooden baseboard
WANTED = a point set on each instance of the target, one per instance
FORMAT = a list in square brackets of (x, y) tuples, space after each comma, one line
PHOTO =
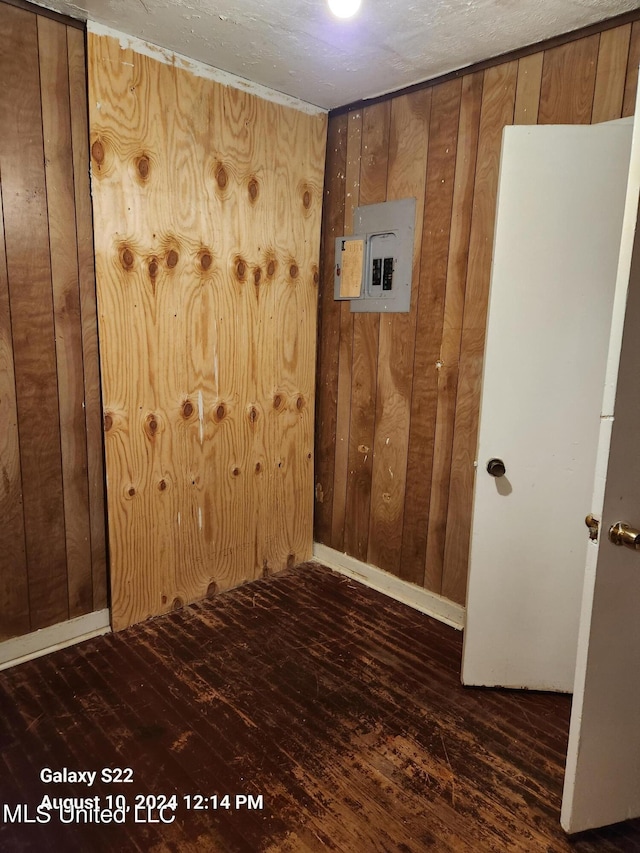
[(414, 596), (29, 646)]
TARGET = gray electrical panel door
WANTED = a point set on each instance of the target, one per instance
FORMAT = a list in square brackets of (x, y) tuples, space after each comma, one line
[(379, 254)]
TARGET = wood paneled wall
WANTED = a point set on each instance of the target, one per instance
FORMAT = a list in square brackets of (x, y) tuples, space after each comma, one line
[(52, 531), (398, 395), (207, 205)]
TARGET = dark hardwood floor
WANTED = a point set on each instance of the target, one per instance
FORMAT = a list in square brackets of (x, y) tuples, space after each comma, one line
[(331, 716)]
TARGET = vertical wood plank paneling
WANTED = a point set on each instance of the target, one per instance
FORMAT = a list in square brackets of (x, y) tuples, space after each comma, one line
[(56, 124), (528, 89), (207, 205), (372, 190), (631, 82), (498, 98), (408, 147), (329, 330), (611, 74), (568, 82), (443, 133), (14, 592), (29, 276), (86, 272), (343, 415), (589, 79), (466, 154)]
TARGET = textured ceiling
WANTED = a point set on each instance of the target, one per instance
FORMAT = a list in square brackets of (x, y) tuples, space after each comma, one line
[(298, 48)]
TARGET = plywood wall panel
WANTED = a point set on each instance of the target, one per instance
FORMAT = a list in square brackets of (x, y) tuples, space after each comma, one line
[(408, 147), (443, 132), (86, 280), (582, 80), (207, 205), (329, 329)]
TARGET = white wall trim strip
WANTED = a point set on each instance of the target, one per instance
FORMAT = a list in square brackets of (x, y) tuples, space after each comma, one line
[(414, 596), (200, 69), (29, 646)]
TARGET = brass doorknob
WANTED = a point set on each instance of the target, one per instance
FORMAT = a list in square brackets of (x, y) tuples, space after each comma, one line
[(622, 534), (496, 468)]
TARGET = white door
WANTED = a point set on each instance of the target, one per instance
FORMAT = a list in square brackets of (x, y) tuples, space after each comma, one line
[(559, 220), (602, 780)]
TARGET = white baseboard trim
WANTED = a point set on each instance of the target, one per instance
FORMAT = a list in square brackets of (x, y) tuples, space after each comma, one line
[(29, 646), (408, 593)]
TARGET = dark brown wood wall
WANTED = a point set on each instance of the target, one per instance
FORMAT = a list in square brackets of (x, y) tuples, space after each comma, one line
[(52, 538), (398, 395)]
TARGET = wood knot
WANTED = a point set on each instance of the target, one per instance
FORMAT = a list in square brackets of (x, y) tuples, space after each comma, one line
[(172, 259), (205, 260), (253, 414), (212, 589), (241, 269), (277, 402), (221, 177), (143, 167), (163, 599), (254, 189), (108, 422), (220, 412), (162, 485), (316, 275), (309, 455), (127, 258), (153, 267), (97, 152), (293, 271), (236, 472), (291, 561), (131, 492), (177, 603), (300, 403), (257, 276), (306, 199), (258, 467), (187, 409), (152, 424), (271, 268)]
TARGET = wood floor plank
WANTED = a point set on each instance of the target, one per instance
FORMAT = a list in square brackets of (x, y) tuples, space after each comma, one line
[(342, 707)]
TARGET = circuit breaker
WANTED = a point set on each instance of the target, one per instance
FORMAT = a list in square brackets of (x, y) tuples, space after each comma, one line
[(373, 266)]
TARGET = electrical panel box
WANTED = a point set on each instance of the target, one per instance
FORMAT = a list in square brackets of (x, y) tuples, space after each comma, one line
[(374, 265)]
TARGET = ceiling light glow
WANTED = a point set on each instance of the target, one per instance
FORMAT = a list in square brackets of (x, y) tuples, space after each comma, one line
[(344, 8)]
